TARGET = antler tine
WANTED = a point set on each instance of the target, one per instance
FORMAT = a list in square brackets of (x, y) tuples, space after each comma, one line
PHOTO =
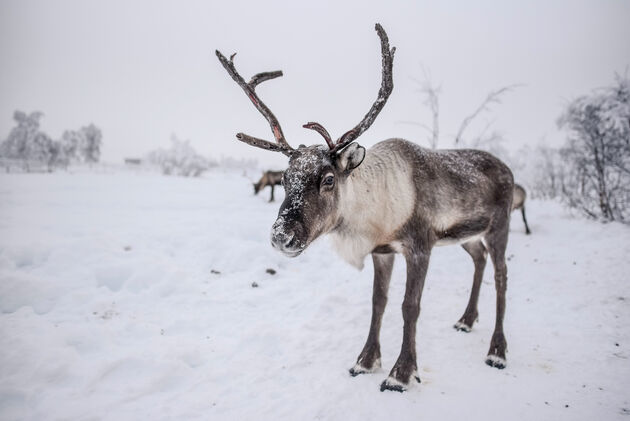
[(387, 85), (322, 131), (281, 144)]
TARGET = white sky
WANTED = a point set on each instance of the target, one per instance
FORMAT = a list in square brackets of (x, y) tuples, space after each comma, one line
[(141, 70)]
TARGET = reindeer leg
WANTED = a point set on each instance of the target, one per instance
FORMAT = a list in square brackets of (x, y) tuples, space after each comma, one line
[(271, 200), (527, 231), (497, 242), (406, 366), (478, 253), (370, 358)]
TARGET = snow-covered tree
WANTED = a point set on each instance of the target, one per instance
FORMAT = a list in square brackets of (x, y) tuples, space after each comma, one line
[(71, 141), (83, 145), (597, 152), (90, 147), (38, 149), (57, 155), (21, 139), (180, 159), (541, 169), (27, 144)]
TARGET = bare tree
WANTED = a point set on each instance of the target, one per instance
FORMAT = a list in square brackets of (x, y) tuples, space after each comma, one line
[(431, 94), (494, 97), (490, 141), (432, 101), (544, 168)]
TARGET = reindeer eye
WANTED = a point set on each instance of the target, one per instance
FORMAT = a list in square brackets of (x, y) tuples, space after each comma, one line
[(328, 180)]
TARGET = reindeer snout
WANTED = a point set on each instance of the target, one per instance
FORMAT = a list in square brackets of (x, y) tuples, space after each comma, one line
[(281, 239), (286, 238)]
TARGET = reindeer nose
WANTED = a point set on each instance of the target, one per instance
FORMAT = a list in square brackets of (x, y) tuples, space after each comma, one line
[(281, 239)]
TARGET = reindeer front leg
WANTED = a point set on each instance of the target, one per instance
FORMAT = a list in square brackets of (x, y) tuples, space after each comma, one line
[(370, 358), (406, 366)]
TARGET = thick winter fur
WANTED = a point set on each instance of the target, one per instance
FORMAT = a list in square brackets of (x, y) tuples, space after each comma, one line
[(519, 203), (269, 178), (401, 198), (378, 199), (449, 194)]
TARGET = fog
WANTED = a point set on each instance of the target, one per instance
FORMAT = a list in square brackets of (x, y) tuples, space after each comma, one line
[(143, 70)]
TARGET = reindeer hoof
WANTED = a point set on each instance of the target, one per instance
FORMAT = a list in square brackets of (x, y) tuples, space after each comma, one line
[(395, 387), (496, 362), (360, 369), (393, 384), (462, 327)]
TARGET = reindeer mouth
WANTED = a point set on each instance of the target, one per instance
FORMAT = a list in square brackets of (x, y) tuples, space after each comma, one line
[(289, 246), (287, 242), (290, 253)]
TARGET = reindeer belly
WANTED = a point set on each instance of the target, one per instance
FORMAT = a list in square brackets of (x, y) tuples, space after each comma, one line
[(463, 232)]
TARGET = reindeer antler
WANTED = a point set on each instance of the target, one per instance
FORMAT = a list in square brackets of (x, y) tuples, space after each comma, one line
[(322, 131), (387, 85), (281, 144)]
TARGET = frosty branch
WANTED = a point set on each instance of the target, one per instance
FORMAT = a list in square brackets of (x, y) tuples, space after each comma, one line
[(494, 97)]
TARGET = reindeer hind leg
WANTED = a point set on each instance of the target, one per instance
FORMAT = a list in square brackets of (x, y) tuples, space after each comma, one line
[(527, 230), (478, 252), (496, 242)]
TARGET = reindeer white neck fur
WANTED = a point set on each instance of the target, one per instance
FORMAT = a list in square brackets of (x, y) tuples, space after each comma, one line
[(378, 198)]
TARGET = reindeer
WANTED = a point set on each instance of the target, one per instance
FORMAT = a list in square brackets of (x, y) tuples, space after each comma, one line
[(269, 178), (518, 202), (396, 197)]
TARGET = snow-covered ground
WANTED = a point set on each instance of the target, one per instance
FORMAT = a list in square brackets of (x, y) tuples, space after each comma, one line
[(129, 296)]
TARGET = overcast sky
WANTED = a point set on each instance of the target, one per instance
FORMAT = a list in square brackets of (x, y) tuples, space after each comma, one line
[(141, 70)]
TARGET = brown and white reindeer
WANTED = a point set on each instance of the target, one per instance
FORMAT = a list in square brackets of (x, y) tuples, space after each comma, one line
[(269, 178), (518, 202), (395, 197)]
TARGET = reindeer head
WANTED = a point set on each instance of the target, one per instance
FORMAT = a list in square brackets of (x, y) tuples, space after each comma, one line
[(311, 184), (315, 173)]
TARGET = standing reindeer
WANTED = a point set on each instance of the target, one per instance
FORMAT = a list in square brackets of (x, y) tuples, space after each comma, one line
[(393, 198), (518, 202), (269, 178)]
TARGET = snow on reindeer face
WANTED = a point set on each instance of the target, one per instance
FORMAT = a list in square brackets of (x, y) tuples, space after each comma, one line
[(310, 195), (311, 185)]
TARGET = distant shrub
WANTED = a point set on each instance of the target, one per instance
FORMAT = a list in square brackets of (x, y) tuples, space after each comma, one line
[(597, 153), (180, 159), (29, 149)]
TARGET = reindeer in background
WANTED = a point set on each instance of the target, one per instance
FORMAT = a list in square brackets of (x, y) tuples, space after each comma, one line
[(396, 197), (269, 178), (518, 202)]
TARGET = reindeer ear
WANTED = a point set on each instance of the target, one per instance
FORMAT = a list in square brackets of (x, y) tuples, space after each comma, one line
[(350, 157)]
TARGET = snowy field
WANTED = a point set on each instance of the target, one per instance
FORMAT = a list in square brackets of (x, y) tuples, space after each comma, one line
[(130, 296)]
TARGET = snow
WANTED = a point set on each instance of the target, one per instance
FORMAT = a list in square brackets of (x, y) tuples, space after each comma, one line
[(111, 308)]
